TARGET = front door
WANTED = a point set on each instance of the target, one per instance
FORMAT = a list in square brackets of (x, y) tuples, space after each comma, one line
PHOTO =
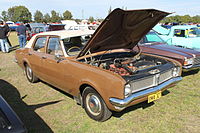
[(179, 38), (53, 67)]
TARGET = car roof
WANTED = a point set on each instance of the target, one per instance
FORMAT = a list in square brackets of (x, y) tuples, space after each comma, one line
[(161, 30), (67, 33), (62, 34)]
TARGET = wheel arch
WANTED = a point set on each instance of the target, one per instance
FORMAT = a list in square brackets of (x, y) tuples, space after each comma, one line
[(24, 63), (81, 90), (83, 86)]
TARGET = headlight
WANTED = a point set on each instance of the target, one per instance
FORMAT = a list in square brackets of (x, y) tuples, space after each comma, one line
[(127, 90), (189, 61), (175, 71)]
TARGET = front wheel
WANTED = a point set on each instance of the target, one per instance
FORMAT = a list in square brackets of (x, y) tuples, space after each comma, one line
[(94, 105), (30, 75)]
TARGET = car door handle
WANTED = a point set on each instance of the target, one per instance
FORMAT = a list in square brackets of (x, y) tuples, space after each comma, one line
[(44, 57), (29, 54)]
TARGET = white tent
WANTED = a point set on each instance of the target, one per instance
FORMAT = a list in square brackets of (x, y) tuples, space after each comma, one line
[(68, 23)]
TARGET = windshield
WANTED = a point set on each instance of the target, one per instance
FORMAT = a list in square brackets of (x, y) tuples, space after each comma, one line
[(38, 30), (74, 45), (150, 38), (194, 32)]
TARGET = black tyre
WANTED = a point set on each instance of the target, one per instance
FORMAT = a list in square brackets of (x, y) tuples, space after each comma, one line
[(94, 105), (30, 75)]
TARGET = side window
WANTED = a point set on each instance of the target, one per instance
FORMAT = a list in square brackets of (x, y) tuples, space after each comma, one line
[(40, 44), (179, 33), (54, 47)]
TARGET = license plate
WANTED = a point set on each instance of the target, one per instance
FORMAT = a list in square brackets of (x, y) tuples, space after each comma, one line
[(154, 96)]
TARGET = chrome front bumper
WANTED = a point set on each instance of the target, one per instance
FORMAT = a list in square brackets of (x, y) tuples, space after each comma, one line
[(189, 68), (120, 104)]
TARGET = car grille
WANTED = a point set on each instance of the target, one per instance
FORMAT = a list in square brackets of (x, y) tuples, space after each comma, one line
[(150, 81), (165, 76), (197, 60)]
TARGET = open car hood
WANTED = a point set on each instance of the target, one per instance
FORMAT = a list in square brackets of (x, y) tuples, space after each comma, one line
[(122, 29)]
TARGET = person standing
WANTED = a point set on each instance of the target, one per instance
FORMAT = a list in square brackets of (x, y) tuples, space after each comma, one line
[(21, 32), (8, 30), (3, 35)]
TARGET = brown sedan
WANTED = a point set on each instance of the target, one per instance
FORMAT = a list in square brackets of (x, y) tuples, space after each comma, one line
[(103, 74)]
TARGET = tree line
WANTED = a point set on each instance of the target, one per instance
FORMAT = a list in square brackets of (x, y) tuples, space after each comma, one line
[(182, 19), (22, 14)]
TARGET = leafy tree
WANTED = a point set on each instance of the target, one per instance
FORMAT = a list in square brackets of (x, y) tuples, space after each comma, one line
[(4, 15), (55, 17), (38, 16), (19, 13), (91, 19), (196, 19), (182, 19), (47, 18), (67, 15)]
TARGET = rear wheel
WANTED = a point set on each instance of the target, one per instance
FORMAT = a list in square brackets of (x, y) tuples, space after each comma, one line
[(30, 75), (94, 105)]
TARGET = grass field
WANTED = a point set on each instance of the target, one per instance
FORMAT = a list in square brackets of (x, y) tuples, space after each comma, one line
[(44, 109)]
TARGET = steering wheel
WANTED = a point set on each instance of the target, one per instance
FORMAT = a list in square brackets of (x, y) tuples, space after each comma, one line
[(73, 50)]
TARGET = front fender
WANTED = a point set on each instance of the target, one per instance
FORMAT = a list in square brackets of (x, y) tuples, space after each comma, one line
[(106, 83)]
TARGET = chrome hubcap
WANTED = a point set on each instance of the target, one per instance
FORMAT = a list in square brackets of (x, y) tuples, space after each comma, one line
[(29, 72), (93, 104)]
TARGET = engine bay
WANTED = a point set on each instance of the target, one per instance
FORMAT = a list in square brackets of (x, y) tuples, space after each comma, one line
[(125, 63), (125, 67)]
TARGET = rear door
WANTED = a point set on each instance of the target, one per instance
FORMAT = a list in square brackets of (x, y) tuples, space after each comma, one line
[(36, 54)]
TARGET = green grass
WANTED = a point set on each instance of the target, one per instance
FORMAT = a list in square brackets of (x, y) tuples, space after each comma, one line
[(43, 109)]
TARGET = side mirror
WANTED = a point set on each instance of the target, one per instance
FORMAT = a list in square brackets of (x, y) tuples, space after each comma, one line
[(58, 57)]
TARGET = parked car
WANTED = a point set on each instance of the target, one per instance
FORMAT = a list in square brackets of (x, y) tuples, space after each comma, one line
[(151, 43), (54, 27), (35, 28), (105, 75), (9, 121), (187, 36), (83, 27), (167, 26), (161, 30), (12, 25)]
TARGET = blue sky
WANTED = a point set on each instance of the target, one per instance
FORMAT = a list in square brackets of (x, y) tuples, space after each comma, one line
[(99, 9)]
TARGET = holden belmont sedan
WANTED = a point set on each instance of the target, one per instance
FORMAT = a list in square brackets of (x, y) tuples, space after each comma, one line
[(101, 71), (151, 43)]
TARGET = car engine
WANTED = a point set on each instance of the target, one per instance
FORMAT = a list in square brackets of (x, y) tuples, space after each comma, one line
[(126, 67), (126, 64)]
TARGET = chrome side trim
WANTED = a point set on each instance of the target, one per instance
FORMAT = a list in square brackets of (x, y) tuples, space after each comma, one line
[(122, 103)]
